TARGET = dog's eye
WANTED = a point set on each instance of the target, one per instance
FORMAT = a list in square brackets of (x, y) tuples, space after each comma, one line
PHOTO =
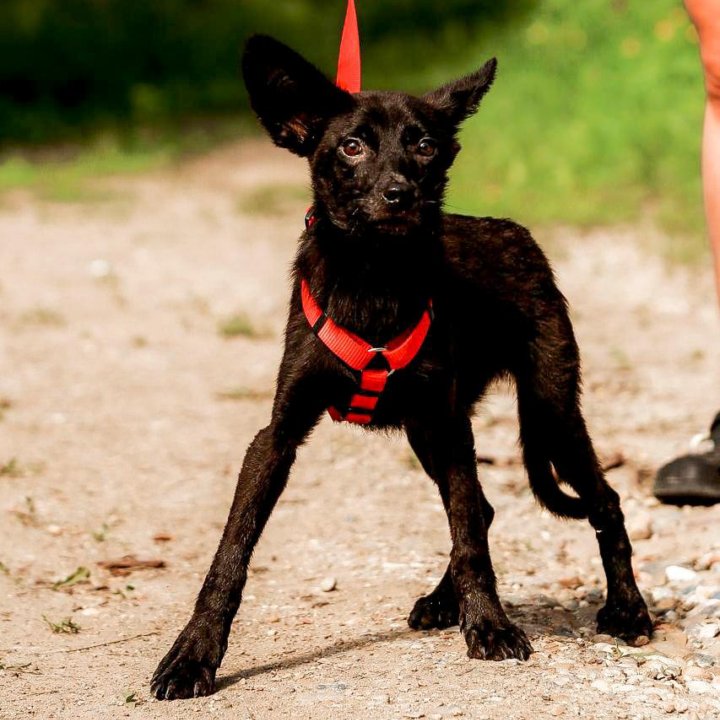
[(352, 147), (426, 147)]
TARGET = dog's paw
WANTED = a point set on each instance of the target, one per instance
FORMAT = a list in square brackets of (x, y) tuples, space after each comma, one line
[(188, 670), (437, 610), (628, 620), (488, 641)]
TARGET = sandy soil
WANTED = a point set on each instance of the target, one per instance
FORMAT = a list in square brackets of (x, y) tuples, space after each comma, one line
[(125, 418)]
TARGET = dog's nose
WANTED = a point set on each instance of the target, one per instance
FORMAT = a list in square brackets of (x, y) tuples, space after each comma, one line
[(397, 194)]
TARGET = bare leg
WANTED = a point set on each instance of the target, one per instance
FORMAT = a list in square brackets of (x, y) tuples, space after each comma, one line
[(694, 478), (705, 14)]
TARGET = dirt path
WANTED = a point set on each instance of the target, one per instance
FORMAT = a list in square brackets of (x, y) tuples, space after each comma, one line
[(125, 418)]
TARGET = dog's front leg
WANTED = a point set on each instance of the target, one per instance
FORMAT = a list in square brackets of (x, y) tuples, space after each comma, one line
[(188, 669), (445, 448)]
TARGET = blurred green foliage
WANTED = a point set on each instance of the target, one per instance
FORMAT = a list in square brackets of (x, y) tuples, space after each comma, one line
[(595, 116), (67, 66)]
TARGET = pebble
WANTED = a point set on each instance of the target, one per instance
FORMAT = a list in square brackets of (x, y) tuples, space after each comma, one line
[(706, 561), (601, 638), (703, 631), (702, 660), (99, 268), (698, 686), (665, 604), (680, 574), (662, 668), (640, 527), (328, 584), (571, 583)]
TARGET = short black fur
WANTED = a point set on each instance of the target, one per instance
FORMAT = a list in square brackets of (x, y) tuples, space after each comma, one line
[(379, 249)]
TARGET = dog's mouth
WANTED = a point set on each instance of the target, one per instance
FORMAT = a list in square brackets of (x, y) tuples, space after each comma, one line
[(398, 223)]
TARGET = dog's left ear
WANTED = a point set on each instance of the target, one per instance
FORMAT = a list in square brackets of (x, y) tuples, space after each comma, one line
[(460, 99), (292, 98)]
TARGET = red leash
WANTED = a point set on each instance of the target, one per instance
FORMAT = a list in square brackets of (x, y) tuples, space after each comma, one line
[(348, 72)]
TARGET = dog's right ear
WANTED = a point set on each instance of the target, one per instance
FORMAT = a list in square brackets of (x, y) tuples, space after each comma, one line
[(292, 98)]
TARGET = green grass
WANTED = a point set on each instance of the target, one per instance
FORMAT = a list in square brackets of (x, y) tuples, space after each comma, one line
[(12, 469), (271, 200), (595, 118), (42, 316), (73, 180), (69, 174), (238, 325), (66, 626), (243, 393)]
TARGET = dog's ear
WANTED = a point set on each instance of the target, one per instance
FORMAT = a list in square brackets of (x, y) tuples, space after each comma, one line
[(292, 98), (460, 99)]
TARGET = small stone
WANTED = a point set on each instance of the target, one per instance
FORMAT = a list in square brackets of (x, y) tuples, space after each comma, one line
[(699, 687), (571, 583), (328, 585), (665, 604), (640, 526), (706, 561), (702, 660), (704, 631), (54, 530), (601, 685), (680, 574), (640, 641), (659, 667), (99, 268), (602, 638), (697, 673)]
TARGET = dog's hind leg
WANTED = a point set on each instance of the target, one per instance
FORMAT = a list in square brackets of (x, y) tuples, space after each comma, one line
[(467, 592), (553, 430), (189, 667)]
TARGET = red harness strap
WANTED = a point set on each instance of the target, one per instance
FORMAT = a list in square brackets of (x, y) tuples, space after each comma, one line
[(357, 354)]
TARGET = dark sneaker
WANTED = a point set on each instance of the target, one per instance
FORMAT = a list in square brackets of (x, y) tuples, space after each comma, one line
[(692, 479)]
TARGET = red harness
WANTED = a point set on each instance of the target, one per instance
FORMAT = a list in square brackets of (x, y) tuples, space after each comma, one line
[(357, 354)]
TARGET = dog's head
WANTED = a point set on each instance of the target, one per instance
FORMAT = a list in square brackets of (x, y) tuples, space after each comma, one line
[(379, 160)]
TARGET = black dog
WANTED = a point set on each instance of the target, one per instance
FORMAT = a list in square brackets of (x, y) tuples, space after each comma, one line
[(437, 306)]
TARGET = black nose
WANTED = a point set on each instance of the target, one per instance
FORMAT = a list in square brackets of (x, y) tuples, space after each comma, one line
[(397, 194)]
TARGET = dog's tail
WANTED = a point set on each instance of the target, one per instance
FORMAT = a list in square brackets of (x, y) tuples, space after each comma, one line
[(540, 444), (545, 487)]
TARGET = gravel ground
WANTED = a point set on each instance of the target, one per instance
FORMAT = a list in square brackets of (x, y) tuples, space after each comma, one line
[(125, 411)]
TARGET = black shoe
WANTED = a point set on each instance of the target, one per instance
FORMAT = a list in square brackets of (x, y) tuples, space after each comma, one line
[(692, 479)]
